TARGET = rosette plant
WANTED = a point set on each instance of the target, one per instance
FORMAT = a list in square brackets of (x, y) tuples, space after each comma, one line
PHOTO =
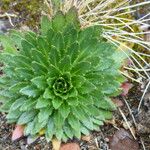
[(59, 80)]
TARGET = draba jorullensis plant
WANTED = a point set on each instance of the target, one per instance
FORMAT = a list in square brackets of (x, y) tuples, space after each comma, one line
[(60, 79)]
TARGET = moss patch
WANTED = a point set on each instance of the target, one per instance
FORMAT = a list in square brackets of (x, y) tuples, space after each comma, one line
[(28, 11)]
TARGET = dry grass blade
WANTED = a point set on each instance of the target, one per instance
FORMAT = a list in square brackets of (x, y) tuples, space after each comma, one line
[(130, 111), (142, 98), (126, 121), (9, 16)]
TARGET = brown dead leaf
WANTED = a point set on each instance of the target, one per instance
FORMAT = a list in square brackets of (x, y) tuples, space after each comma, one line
[(122, 140), (126, 87), (86, 138), (118, 102)]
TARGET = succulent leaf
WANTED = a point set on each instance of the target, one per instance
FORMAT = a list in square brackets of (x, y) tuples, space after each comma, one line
[(61, 79)]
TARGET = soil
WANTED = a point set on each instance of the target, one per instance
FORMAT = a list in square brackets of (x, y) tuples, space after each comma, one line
[(98, 140)]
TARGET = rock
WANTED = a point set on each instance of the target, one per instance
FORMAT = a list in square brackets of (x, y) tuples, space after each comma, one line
[(70, 146), (4, 25), (122, 140), (18, 132), (32, 139)]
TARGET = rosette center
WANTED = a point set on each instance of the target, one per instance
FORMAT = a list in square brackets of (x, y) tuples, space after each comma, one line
[(61, 85)]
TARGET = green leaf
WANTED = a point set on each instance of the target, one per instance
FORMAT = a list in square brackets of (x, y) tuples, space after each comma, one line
[(16, 87), (88, 48), (94, 111), (81, 68), (84, 130), (74, 122), (39, 57), (90, 33), (88, 123), (64, 110), (31, 37), (7, 58), (38, 126), (26, 48), (105, 63), (22, 61), (97, 121), (58, 42), (13, 114), (59, 134), (57, 101), (85, 99), (18, 103), (64, 138), (40, 82), (107, 114), (70, 35), (44, 114), (119, 56), (26, 117), (58, 21), (48, 94), (73, 93), (28, 105), (17, 37), (78, 112), (45, 25), (73, 51), (65, 64), (6, 106), (72, 17), (8, 44), (29, 128), (54, 56), (49, 36), (50, 129), (58, 120), (41, 102), (4, 80), (24, 73), (53, 71), (38, 68), (107, 104), (78, 80), (72, 101), (43, 45), (68, 131), (6, 93), (87, 87), (30, 91)]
